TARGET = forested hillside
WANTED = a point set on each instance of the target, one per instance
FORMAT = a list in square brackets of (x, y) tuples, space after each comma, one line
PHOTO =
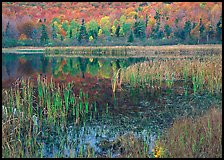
[(110, 23)]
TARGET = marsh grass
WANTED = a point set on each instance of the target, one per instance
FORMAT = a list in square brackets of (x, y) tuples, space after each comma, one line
[(199, 74), (136, 50), (28, 106), (194, 138)]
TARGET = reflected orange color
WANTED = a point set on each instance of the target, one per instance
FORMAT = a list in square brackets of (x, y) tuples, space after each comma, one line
[(63, 62), (22, 61)]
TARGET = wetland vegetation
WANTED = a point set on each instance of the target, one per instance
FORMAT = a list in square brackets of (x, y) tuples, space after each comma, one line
[(105, 106), (112, 80)]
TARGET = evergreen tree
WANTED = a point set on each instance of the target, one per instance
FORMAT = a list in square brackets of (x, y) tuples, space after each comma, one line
[(157, 16), (167, 30), (121, 32), (44, 35), (146, 20), (209, 32), (62, 38), (7, 31), (219, 29), (187, 29), (201, 29), (117, 30), (93, 29), (35, 36), (131, 37), (54, 35), (82, 32), (155, 30), (70, 33), (179, 33), (139, 29)]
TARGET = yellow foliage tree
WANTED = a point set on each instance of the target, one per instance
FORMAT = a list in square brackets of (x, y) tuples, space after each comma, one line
[(100, 33), (113, 30), (22, 37), (151, 22), (90, 38)]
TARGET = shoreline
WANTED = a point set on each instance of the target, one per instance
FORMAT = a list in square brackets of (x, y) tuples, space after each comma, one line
[(115, 50)]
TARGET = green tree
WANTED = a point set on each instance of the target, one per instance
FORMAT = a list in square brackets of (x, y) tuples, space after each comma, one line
[(7, 31), (53, 34), (122, 20), (93, 29), (75, 27), (167, 30), (201, 29), (219, 29), (70, 33), (105, 25), (44, 35), (157, 16), (121, 32), (65, 25), (117, 30), (139, 29), (146, 20), (126, 27), (187, 29), (155, 30), (115, 22), (179, 34), (131, 37), (82, 32)]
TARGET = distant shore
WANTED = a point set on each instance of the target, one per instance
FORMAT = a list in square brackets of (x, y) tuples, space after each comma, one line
[(129, 50)]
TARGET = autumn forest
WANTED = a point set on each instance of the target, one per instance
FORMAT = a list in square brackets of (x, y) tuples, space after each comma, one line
[(112, 24)]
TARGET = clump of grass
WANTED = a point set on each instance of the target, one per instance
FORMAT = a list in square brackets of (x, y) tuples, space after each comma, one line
[(200, 74), (137, 50), (29, 106), (199, 138), (126, 146)]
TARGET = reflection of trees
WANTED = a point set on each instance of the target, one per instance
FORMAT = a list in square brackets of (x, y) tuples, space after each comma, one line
[(105, 69), (44, 64), (83, 64), (57, 71), (25, 68), (75, 67), (66, 66), (93, 66)]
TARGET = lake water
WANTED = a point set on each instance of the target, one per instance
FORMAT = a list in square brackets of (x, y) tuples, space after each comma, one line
[(141, 113)]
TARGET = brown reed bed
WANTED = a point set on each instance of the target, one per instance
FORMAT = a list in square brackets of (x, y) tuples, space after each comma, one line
[(137, 50), (194, 138)]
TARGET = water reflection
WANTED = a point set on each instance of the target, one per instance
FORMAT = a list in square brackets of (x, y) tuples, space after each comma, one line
[(17, 66)]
